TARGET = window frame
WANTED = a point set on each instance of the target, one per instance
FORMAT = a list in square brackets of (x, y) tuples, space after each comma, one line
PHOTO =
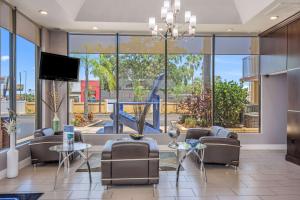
[(213, 55)]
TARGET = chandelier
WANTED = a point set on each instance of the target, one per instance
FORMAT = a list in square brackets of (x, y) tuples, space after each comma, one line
[(168, 14)]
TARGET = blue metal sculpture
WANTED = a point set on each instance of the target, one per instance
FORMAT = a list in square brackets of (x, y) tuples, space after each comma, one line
[(125, 119)]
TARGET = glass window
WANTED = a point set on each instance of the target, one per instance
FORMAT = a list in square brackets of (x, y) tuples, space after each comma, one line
[(4, 83), (141, 77), (141, 83), (236, 96), (92, 98), (25, 88), (189, 82)]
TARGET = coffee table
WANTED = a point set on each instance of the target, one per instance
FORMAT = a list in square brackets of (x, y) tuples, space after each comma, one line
[(188, 150), (65, 151)]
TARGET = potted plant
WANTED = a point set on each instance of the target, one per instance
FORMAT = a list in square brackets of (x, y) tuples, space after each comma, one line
[(54, 105), (12, 154)]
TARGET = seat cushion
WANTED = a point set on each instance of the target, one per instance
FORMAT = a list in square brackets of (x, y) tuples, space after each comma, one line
[(215, 130), (48, 132), (225, 133)]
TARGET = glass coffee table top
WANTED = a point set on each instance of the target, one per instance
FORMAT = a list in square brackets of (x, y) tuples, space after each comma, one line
[(184, 146), (77, 146)]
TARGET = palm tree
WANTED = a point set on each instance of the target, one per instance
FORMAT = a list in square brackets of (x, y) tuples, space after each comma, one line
[(87, 63), (102, 67)]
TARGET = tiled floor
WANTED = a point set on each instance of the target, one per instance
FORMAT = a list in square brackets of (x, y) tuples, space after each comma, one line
[(262, 175)]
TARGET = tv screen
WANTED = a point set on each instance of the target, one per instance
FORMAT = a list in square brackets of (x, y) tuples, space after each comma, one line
[(58, 67)]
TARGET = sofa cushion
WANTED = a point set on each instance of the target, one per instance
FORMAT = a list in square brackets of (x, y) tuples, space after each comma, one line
[(48, 132), (225, 133), (215, 130)]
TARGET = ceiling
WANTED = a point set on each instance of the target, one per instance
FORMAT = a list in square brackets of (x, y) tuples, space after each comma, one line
[(213, 16)]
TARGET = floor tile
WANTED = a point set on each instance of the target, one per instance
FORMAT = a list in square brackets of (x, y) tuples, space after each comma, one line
[(262, 175)]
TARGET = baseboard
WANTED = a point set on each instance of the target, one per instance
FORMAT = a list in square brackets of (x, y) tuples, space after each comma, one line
[(22, 164), (264, 146)]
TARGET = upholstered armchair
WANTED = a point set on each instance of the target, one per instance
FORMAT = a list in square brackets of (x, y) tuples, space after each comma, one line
[(43, 140), (223, 146), (130, 162)]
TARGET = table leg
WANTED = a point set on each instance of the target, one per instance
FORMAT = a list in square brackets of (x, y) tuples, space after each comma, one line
[(180, 165), (86, 158), (60, 163), (202, 167)]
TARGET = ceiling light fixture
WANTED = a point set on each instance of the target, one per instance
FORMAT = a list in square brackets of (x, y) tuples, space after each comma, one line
[(95, 28), (43, 12), (168, 14), (274, 17)]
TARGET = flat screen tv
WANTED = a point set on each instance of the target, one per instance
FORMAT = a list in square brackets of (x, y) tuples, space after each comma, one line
[(58, 67)]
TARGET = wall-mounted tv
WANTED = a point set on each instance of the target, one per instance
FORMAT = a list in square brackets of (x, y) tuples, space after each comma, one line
[(58, 67)]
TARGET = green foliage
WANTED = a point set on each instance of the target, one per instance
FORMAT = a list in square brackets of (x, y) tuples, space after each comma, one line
[(139, 91), (230, 102), (190, 122), (103, 68)]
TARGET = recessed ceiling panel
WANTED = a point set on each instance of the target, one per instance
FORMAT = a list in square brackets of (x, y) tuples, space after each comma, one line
[(207, 12)]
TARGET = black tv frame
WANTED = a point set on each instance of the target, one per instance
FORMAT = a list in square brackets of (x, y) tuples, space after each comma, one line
[(42, 77)]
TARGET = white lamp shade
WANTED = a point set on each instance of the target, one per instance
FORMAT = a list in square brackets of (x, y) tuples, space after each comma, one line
[(192, 30), (169, 18), (177, 5), (167, 4), (151, 22), (187, 16), (193, 21), (175, 32), (154, 30), (163, 12)]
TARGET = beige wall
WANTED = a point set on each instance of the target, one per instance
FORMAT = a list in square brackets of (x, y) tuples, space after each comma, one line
[(55, 42)]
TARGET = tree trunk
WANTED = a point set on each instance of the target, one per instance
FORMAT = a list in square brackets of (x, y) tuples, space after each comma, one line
[(86, 91), (206, 72)]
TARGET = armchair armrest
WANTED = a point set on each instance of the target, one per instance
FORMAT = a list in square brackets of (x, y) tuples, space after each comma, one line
[(196, 133), (153, 149), (106, 152), (219, 141)]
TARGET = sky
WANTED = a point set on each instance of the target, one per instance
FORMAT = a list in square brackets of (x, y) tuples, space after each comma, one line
[(229, 67), (25, 60)]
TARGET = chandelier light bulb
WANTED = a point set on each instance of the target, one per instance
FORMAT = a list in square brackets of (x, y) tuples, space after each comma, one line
[(177, 5), (169, 18), (187, 16), (163, 12), (169, 13), (193, 21), (151, 23), (167, 4)]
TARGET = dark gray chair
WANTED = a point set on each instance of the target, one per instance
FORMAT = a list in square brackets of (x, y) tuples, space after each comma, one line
[(130, 162), (223, 146), (43, 140)]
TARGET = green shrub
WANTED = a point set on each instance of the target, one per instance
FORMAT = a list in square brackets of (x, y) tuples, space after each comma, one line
[(190, 122), (230, 101)]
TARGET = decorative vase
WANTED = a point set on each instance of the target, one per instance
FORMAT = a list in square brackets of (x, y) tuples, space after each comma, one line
[(12, 169), (173, 133), (56, 123)]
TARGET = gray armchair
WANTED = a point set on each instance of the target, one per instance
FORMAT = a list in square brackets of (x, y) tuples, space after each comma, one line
[(223, 146), (43, 140), (130, 162)]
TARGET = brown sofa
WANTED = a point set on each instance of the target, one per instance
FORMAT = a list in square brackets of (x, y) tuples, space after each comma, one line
[(223, 146), (43, 140), (128, 162)]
